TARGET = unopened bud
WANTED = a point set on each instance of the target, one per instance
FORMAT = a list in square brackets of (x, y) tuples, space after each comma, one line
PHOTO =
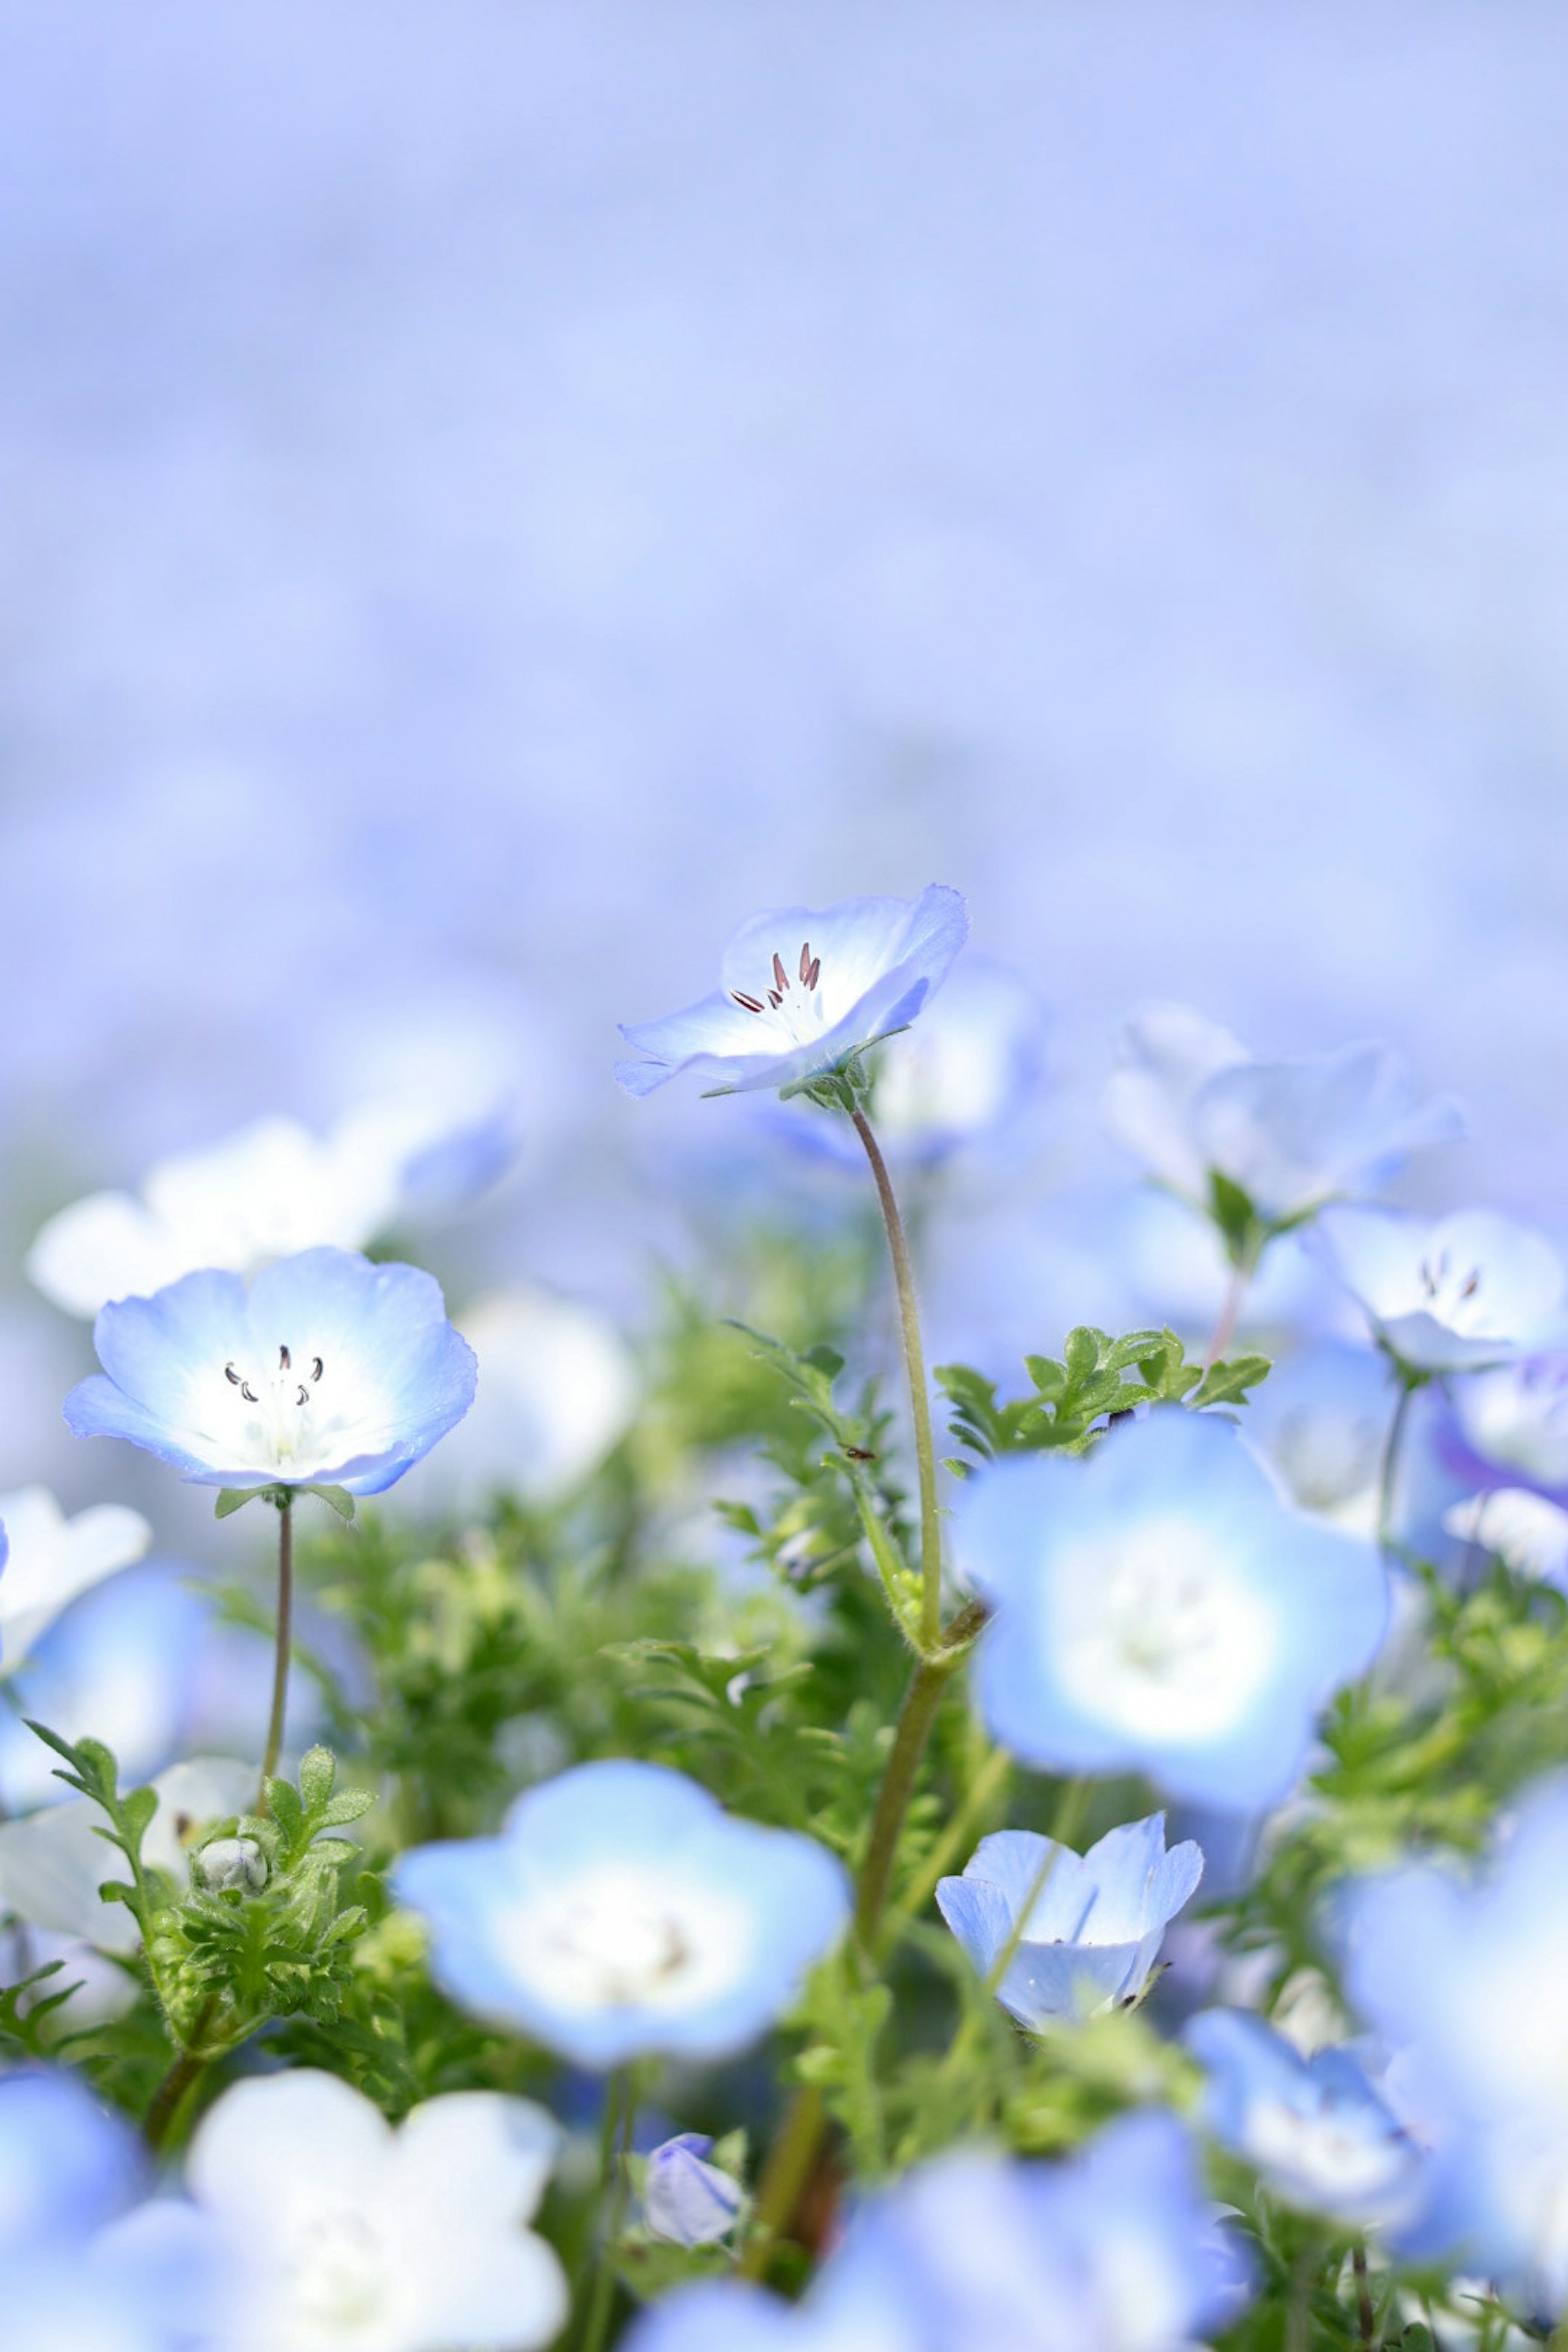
[(230, 1862), (685, 2201)]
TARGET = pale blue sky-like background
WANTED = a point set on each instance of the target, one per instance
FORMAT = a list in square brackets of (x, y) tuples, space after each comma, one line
[(494, 493)]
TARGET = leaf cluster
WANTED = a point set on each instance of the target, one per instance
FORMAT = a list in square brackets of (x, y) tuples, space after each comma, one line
[(1094, 1381)]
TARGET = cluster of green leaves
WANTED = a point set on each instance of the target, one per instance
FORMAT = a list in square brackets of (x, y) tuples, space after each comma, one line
[(1094, 1381)]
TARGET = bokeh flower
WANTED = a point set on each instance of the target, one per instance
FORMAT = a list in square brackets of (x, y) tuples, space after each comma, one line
[(1160, 1609), (1191, 1101), (322, 1371), (802, 991), (1092, 1924), (1514, 1524), (623, 1912), (1449, 1295), (1509, 1426), (48, 1561), (270, 1190), (1315, 2127), (342, 2232)]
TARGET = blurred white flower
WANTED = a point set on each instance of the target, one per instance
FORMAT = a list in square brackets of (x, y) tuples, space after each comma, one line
[(557, 1386), (53, 1863), (268, 1192), (1522, 1529), (52, 1558)]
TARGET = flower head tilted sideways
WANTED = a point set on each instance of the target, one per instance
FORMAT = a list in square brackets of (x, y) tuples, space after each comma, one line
[(1085, 1930), (622, 1913), (801, 992), (47, 1560), (1284, 1136), (1509, 1426), (267, 1191), (1315, 2127), (1159, 1609), (686, 2200), (1461, 1975), (324, 1369), (341, 2233), (1455, 1295)]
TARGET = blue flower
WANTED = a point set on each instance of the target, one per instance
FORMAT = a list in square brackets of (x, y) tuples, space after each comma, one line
[(1117, 2250), (801, 992), (1462, 1977), (1093, 1929), (685, 2201), (622, 1912), (1451, 1295), (1194, 1104), (1509, 1426), (1315, 2127), (1159, 1609), (1320, 1422), (323, 1370), (48, 1561)]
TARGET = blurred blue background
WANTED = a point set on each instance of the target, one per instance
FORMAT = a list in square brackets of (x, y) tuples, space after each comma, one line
[(495, 493)]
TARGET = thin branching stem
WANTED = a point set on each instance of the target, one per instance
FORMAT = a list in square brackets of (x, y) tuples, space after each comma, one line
[(920, 1398)]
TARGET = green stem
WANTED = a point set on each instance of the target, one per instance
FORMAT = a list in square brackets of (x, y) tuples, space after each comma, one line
[(614, 2182), (182, 2078), (1366, 2316), (788, 2169), (1390, 1472), (281, 1658), (916, 1716), (985, 1787), (920, 1398)]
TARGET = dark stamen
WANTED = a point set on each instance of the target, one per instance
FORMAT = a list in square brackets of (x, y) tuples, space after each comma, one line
[(780, 977), (1470, 1287), (303, 1395), (815, 968), (315, 1368), (247, 1393), (775, 999), (230, 1374), (282, 1360), (804, 964), (749, 1003)]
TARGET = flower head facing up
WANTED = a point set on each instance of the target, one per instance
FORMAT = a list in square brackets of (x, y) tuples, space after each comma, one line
[(1314, 2126), (622, 1912), (345, 2233), (1453, 1296), (802, 992), (1287, 1136), (1091, 1924), (1159, 1609), (323, 1370)]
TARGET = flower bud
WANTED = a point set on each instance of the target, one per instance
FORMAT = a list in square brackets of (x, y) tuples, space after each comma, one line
[(230, 1862), (685, 2201)]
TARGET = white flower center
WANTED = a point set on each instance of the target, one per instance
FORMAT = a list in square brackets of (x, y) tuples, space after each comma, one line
[(281, 1424), (621, 1936), (304, 1411), (792, 1008), (339, 2270), (1452, 1292), (1337, 2154), (1159, 1633)]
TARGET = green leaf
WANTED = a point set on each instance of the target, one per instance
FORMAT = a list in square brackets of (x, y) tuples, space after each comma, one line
[(1227, 1382), (317, 1771), (339, 1497), (235, 1498)]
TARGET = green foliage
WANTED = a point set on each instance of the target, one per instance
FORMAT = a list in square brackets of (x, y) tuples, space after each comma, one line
[(23, 2020), (1094, 1381)]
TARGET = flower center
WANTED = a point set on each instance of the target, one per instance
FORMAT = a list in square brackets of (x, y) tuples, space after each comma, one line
[(620, 1935), (283, 1423), (339, 2270), (1450, 1293), (1159, 1634), (797, 1012)]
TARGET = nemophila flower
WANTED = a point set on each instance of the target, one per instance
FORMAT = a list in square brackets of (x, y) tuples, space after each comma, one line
[(557, 1388), (1451, 1295), (1514, 1524), (1462, 1974), (688, 2201), (622, 1912), (47, 1560), (962, 1075), (271, 1191), (801, 992), (53, 1863), (1320, 1422), (1315, 2127), (322, 1371), (1093, 1922), (1160, 1609), (1509, 1426), (1192, 1104), (345, 2234)]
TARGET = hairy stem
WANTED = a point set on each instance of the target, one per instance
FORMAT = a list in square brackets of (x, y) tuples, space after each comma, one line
[(920, 1399), (1389, 1476), (280, 1659), (181, 2079)]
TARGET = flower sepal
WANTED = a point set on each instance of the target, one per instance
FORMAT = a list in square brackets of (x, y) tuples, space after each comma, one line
[(235, 1498)]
